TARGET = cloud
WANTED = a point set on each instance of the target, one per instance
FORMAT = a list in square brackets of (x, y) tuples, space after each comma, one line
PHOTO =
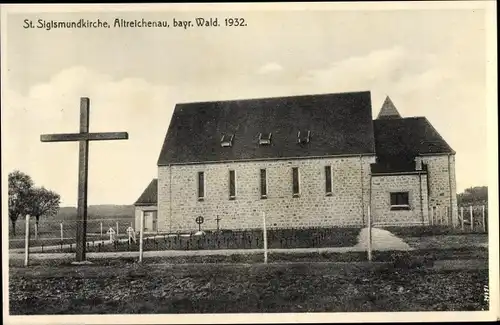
[(271, 67), (118, 170), (431, 85), (419, 85)]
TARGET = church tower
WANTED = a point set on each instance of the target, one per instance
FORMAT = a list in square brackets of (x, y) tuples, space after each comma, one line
[(388, 110)]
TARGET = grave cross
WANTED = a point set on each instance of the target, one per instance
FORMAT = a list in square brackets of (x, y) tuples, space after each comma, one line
[(83, 137), (218, 219)]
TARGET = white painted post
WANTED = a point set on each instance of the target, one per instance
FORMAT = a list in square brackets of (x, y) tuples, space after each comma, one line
[(471, 219), (62, 233), (141, 227), (101, 230), (462, 217), (265, 236), (27, 241), (369, 234), (117, 231), (484, 218), (432, 216)]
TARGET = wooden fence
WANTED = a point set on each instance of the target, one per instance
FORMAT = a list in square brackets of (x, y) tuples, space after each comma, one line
[(470, 218)]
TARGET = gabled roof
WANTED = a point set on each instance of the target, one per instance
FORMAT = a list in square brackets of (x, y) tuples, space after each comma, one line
[(150, 194), (340, 124), (388, 110), (399, 141)]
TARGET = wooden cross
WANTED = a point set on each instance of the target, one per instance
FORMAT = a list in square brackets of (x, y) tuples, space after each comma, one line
[(83, 137), (218, 219)]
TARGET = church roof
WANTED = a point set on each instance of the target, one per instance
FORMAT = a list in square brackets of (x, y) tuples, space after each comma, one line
[(399, 141), (268, 128), (150, 194), (388, 110)]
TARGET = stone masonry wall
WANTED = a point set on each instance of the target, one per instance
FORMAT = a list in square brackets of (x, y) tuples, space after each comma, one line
[(414, 184), (347, 205), (442, 184)]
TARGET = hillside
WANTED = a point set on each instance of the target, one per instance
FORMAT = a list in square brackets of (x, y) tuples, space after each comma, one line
[(105, 211)]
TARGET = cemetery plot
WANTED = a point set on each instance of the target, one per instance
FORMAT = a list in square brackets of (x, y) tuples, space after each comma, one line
[(247, 239)]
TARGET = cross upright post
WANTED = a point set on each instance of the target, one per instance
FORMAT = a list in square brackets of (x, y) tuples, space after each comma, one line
[(83, 137), (217, 219)]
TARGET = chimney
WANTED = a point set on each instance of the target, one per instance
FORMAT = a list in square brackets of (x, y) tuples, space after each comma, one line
[(418, 163)]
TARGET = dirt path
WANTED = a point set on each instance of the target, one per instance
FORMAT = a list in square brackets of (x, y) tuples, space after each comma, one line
[(167, 253)]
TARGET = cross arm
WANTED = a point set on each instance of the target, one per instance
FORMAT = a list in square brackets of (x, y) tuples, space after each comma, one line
[(84, 136), (108, 136)]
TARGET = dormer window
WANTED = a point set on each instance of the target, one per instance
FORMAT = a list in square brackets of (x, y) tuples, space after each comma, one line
[(226, 140), (303, 137), (265, 138)]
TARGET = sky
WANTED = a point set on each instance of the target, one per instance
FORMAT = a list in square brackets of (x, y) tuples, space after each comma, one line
[(430, 62)]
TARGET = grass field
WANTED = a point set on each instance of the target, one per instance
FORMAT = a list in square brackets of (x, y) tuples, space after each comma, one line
[(122, 288), (306, 282), (52, 228)]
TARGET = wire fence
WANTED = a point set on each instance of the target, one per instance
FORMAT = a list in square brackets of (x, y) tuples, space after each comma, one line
[(121, 235), (107, 235)]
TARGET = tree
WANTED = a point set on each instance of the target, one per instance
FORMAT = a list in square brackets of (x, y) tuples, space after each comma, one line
[(42, 202), (473, 196), (20, 185)]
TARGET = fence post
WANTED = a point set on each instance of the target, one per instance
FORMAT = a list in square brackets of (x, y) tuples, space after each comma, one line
[(265, 236), (369, 234), (141, 227), (471, 219), (36, 230), (432, 216), (462, 217), (117, 232), (27, 241), (62, 233), (484, 218)]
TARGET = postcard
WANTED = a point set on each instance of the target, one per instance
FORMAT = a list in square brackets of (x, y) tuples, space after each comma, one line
[(249, 163)]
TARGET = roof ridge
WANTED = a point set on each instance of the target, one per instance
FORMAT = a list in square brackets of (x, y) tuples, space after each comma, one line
[(273, 97)]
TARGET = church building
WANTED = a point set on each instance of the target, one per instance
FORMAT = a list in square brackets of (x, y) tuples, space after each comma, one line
[(306, 161)]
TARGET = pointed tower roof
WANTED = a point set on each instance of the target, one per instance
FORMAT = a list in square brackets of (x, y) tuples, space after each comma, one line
[(388, 110)]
